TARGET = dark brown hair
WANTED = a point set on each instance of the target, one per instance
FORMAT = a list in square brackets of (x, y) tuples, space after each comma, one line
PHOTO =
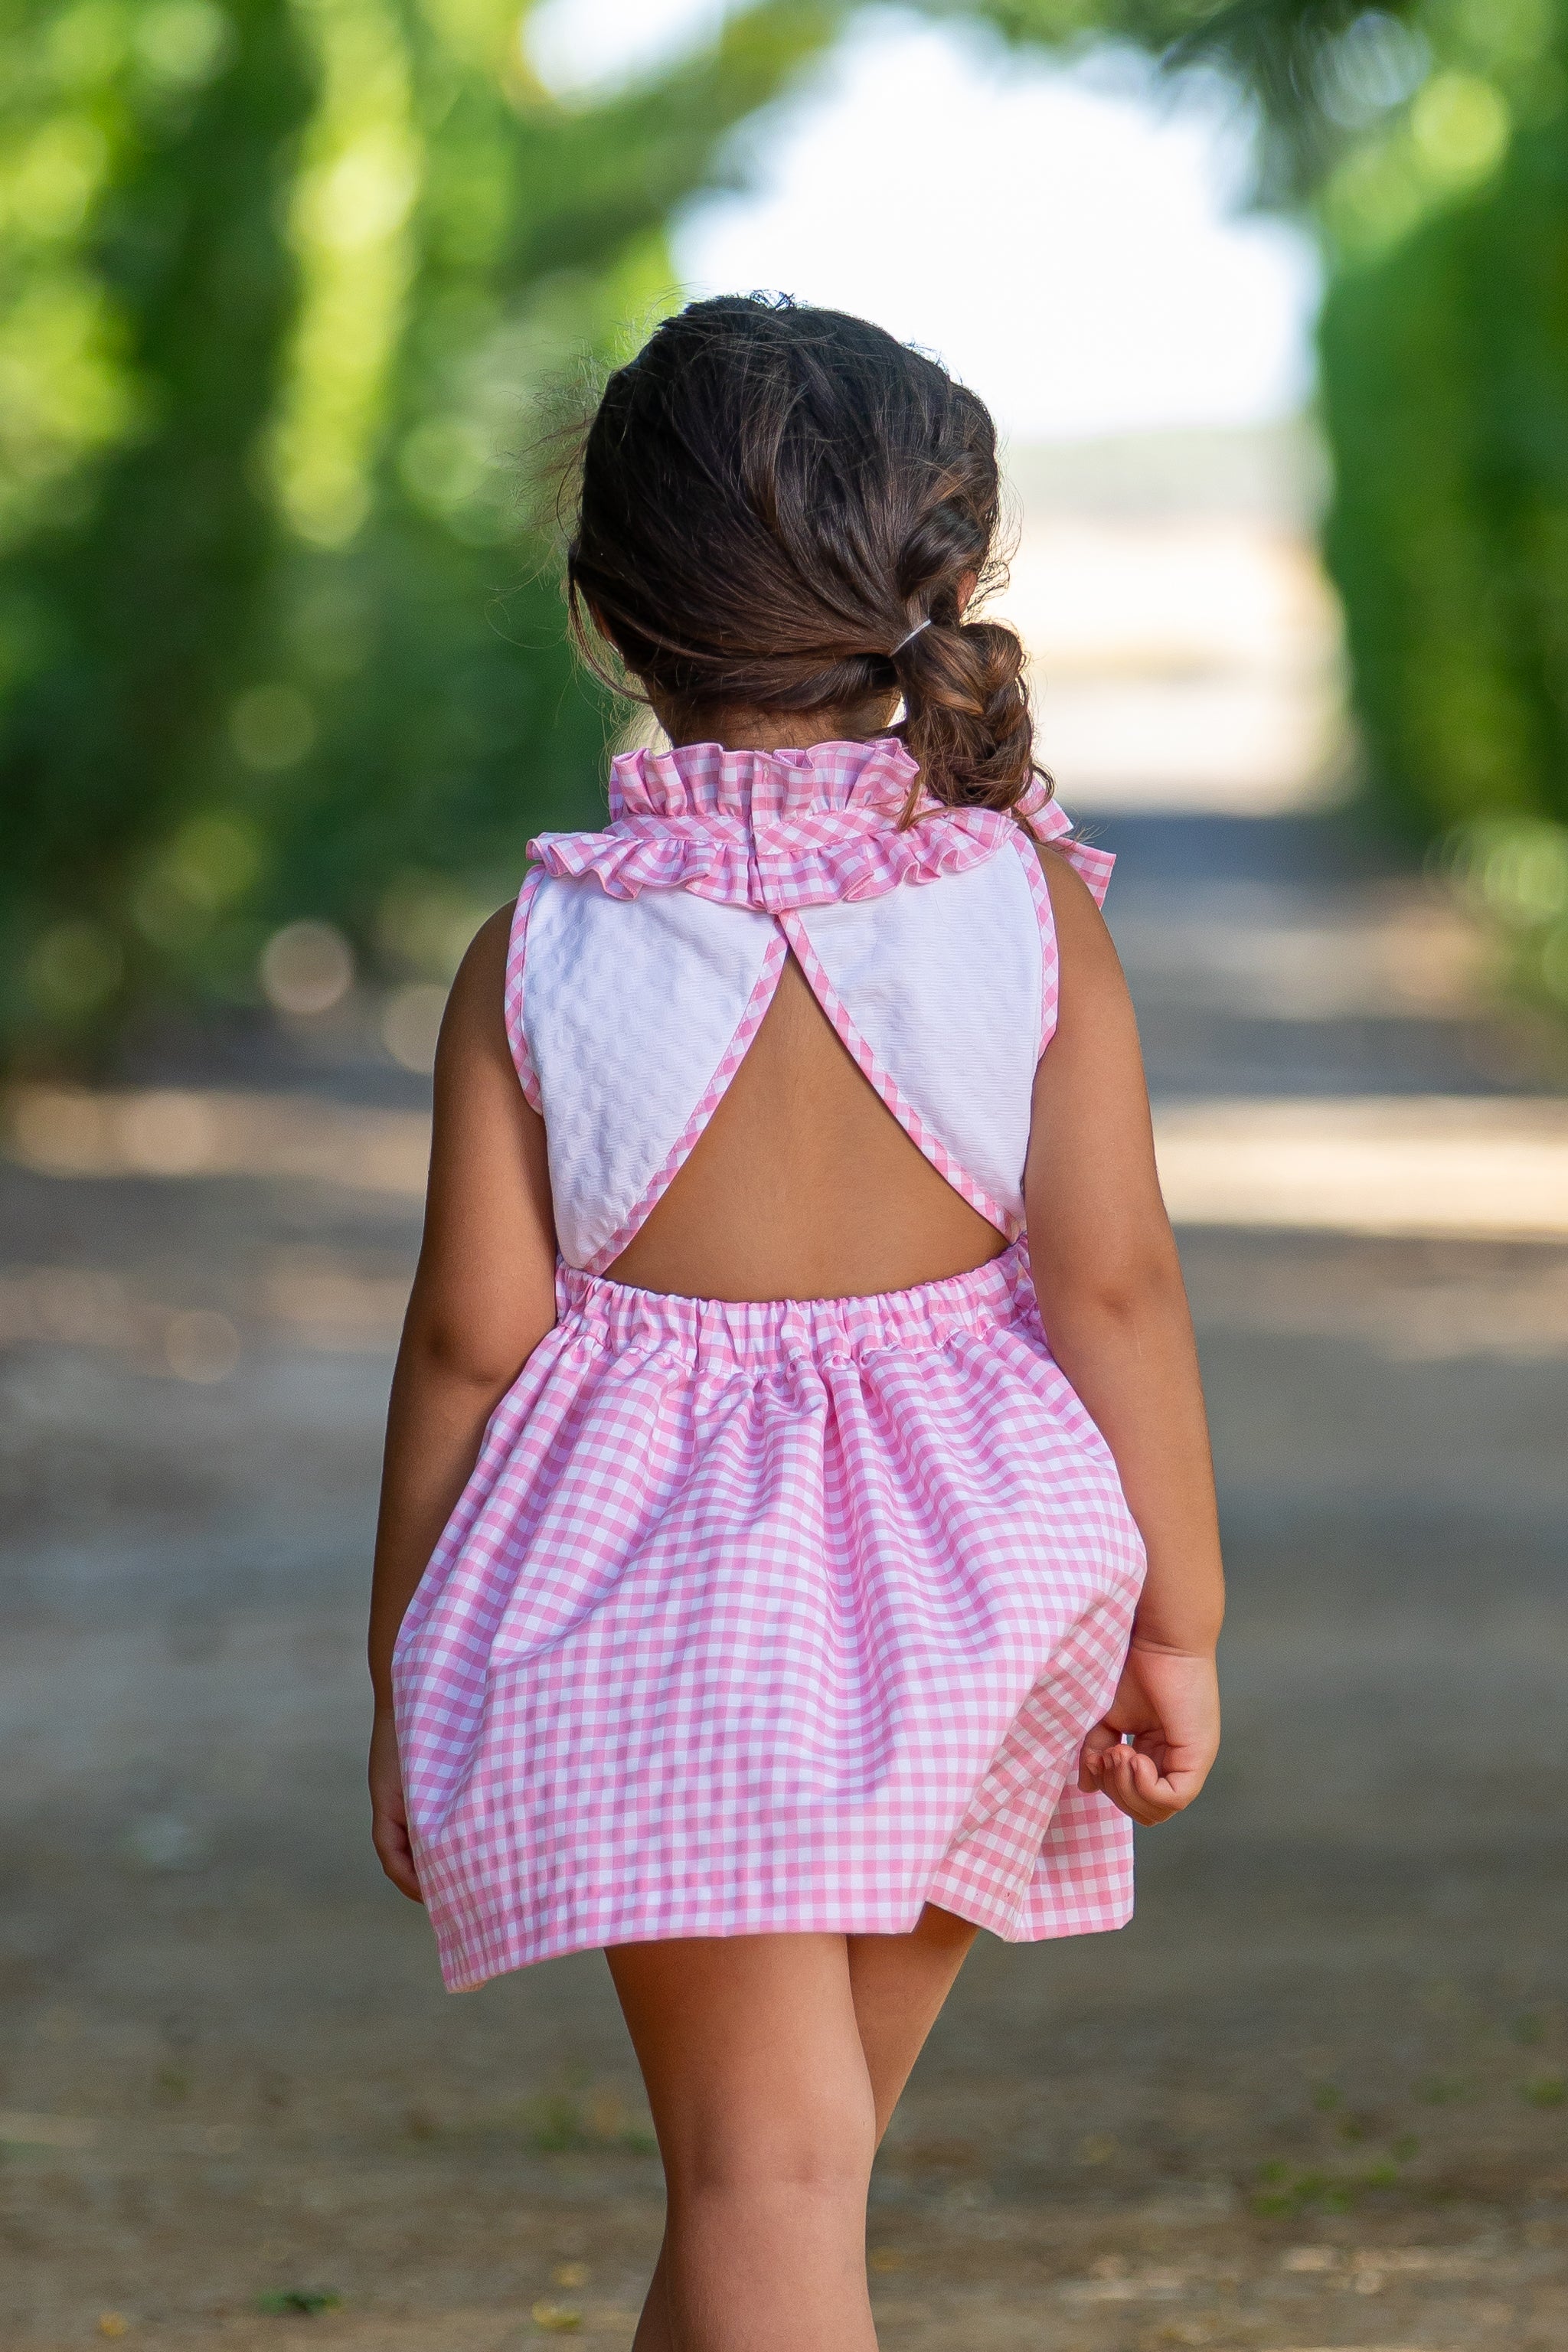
[(774, 499)]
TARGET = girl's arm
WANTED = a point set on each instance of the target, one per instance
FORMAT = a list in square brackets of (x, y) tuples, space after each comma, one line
[(1115, 1312), (483, 1298)]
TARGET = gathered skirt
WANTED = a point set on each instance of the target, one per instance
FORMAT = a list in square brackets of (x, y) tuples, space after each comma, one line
[(758, 1619)]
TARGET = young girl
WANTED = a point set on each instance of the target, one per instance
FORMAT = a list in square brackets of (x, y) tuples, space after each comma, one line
[(786, 1616)]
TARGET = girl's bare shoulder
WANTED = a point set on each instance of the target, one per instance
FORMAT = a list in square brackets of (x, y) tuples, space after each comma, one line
[(475, 1006), (1082, 935)]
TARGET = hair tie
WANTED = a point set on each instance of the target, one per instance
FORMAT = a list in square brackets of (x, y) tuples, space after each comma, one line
[(913, 634)]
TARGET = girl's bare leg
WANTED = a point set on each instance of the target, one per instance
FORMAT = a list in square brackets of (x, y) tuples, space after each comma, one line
[(766, 2124), (899, 1984), (767, 2118)]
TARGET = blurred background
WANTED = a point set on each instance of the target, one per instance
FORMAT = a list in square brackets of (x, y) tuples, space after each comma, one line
[(285, 285), (1271, 300)]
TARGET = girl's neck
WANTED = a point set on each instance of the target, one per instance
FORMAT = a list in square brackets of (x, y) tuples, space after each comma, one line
[(776, 731)]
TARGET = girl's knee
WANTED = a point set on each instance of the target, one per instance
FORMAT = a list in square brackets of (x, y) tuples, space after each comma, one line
[(822, 2149)]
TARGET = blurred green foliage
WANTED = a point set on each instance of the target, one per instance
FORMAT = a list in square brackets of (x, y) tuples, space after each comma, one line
[(147, 291), (1429, 140), (1513, 871), (1316, 72), (1445, 374), (277, 279), (281, 281), (1448, 407)]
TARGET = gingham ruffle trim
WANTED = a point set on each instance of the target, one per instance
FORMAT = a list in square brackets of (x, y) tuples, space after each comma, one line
[(783, 830), (706, 779)]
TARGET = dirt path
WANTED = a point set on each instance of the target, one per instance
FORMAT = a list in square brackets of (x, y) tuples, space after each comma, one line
[(1316, 2095)]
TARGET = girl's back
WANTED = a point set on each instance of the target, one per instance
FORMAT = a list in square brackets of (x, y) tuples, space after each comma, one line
[(783, 1043), (803, 1184)]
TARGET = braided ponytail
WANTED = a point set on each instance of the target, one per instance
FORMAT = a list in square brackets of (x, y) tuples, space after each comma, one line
[(967, 714), (784, 509)]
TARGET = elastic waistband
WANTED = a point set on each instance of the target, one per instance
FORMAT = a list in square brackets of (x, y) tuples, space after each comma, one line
[(780, 1330)]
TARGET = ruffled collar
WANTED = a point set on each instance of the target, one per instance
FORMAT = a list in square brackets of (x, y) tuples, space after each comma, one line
[(704, 780), (785, 829)]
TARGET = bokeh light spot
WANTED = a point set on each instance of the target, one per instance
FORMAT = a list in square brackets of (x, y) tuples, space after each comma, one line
[(75, 967), (164, 1133), (201, 1347), (1460, 125), (411, 1023), (306, 968), (184, 42), (272, 727)]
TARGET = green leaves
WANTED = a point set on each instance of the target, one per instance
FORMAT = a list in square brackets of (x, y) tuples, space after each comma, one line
[(282, 281), (275, 638), (1445, 393), (596, 178)]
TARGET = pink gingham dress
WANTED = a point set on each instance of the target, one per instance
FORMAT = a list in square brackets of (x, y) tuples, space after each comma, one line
[(790, 1616)]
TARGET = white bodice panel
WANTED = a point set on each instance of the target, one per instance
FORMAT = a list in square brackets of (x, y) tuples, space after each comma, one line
[(628, 1008), (945, 985), (635, 1012)]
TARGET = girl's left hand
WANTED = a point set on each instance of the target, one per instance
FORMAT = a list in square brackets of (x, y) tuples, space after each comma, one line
[(388, 1812), (1169, 1701)]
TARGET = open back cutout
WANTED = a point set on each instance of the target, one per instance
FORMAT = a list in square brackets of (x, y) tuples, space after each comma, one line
[(628, 1018), (803, 1183)]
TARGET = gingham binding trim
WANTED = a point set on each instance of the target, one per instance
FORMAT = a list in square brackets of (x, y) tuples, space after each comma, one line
[(712, 1095), (920, 1135), (517, 951), (1050, 957)]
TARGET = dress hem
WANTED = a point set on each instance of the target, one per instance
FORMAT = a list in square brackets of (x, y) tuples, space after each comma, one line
[(514, 1957)]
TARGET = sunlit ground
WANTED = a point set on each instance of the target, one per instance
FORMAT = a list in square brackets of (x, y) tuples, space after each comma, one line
[(1465, 1166)]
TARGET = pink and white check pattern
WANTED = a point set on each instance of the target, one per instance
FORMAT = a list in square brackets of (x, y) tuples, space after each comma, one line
[(767, 1618), (779, 1617), (790, 829)]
